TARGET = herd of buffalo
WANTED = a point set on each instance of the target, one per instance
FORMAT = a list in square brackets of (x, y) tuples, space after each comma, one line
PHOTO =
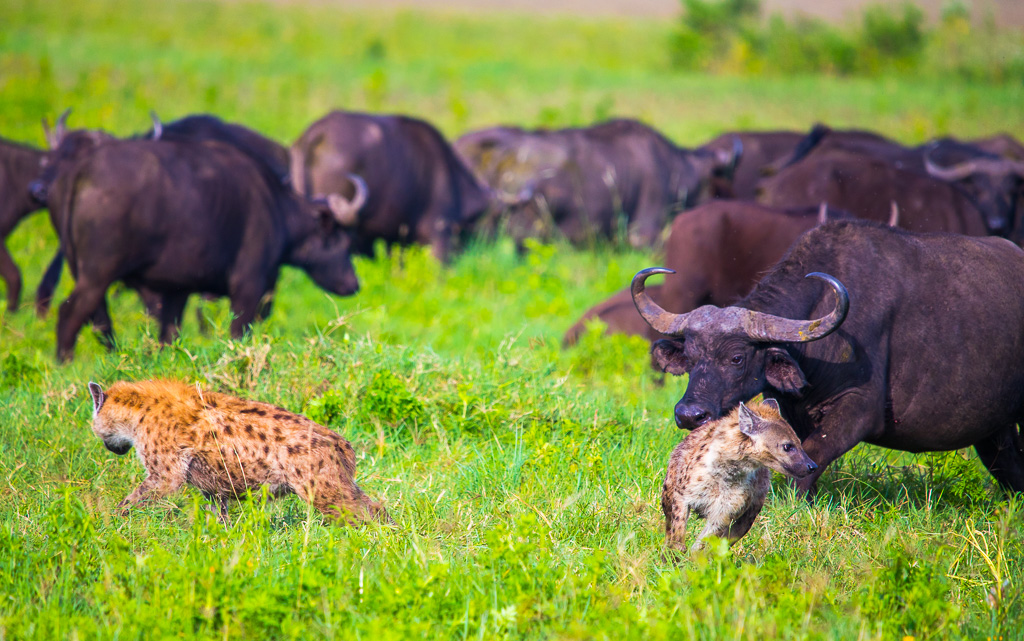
[(917, 341)]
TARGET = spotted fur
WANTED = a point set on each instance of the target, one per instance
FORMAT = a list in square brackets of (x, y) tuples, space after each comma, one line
[(722, 472), (224, 445)]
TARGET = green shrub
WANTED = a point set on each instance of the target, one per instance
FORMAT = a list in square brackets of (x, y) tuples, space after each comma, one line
[(894, 35)]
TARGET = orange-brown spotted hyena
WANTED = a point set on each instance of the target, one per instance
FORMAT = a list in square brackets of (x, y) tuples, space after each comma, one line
[(224, 445), (722, 472)]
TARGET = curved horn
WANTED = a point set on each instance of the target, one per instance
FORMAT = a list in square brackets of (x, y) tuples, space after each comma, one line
[(346, 212), (894, 214), (48, 134), (958, 171), (61, 127), (729, 159), (775, 329), (158, 127), (757, 325), (659, 319), (737, 152), (823, 213)]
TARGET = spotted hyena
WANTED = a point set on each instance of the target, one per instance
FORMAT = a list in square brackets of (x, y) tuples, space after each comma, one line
[(722, 472), (224, 446)]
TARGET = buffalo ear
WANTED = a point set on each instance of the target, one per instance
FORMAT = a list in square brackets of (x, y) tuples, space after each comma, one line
[(783, 373), (749, 422), (669, 356), (98, 397)]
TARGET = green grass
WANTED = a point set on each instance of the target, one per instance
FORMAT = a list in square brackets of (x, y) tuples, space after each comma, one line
[(524, 478)]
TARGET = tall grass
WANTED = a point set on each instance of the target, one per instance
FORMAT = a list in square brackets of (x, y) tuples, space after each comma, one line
[(524, 478)]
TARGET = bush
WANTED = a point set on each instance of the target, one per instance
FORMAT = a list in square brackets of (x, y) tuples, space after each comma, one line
[(894, 35)]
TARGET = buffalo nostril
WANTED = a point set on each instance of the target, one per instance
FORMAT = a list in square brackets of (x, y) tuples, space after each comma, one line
[(689, 417)]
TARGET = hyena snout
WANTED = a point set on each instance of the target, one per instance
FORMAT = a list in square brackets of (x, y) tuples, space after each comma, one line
[(117, 445), (800, 466)]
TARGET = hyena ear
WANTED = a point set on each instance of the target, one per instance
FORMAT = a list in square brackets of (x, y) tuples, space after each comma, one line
[(749, 422), (772, 403), (98, 397)]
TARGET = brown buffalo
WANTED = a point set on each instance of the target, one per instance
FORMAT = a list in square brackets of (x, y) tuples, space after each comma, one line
[(992, 183), (760, 150), (719, 250), (866, 187)]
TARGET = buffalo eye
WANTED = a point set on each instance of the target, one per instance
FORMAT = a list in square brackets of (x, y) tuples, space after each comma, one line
[(737, 359), (787, 447)]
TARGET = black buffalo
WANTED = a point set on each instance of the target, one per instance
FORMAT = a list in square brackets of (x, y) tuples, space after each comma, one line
[(207, 127), (175, 218), (419, 189), (917, 344), (614, 178), (65, 148)]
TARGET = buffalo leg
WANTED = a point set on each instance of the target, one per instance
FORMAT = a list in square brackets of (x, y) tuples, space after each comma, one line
[(12, 277), (152, 301), (1003, 455), (245, 304), (829, 441), (44, 293), (84, 301), (172, 310), (103, 325)]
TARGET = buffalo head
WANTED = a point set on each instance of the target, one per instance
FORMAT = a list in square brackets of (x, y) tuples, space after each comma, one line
[(324, 251), (732, 353), (65, 147), (994, 184)]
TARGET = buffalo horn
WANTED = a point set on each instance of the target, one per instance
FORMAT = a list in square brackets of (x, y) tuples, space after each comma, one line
[(737, 152), (48, 134), (346, 212), (61, 128), (768, 328), (661, 320), (964, 169), (158, 127), (894, 214), (757, 325), (823, 213)]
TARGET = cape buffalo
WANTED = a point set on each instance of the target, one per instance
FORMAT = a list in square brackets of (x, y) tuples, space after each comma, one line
[(1003, 145), (760, 150), (916, 344), (19, 165), (866, 187), (992, 183), (419, 190), (720, 250), (65, 148), (591, 183), (182, 217), (206, 127)]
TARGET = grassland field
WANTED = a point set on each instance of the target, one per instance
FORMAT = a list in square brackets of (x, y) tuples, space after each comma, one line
[(524, 478)]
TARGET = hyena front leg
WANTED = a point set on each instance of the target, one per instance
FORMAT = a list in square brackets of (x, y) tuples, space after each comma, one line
[(742, 524), (163, 477), (677, 513)]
